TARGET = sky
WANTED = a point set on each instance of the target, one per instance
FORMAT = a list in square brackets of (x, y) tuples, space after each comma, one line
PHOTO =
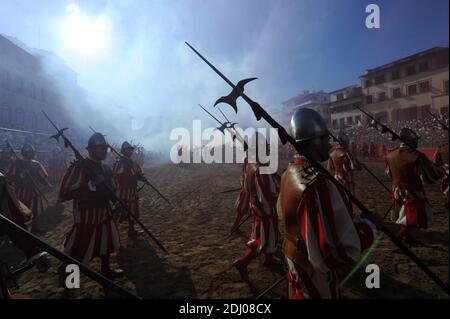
[(133, 51)]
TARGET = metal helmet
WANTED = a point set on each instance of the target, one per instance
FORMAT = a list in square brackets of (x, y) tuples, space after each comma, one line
[(343, 139), (126, 145), (307, 124), (409, 136), (97, 139), (27, 147)]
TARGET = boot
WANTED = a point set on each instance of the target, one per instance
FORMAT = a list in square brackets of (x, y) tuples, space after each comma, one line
[(35, 224), (106, 269), (132, 232), (242, 263)]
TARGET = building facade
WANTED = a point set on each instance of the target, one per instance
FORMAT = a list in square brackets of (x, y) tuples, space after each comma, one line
[(32, 81), (318, 101), (343, 111), (407, 89)]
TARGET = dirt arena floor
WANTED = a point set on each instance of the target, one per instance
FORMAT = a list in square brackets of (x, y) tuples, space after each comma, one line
[(199, 261)]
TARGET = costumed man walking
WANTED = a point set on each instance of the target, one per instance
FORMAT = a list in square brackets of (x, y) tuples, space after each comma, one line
[(26, 175), (321, 233), (343, 163), (94, 232), (262, 192), (441, 159), (126, 174), (409, 169), (14, 210)]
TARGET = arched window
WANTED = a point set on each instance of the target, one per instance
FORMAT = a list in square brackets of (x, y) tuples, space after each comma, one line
[(5, 115)]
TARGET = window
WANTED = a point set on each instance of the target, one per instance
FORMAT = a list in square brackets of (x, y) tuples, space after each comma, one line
[(424, 87), (358, 119), (423, 66), (395, 75), (367, 83), (369, 99), (340, 96), (32, 91), (411, 70), (379, 79), (350, 120), (412, 89), (396, 93), (19, 117), (335, 123), (382, 96), (342, 122), (446, 86), (5, 79), (19, 85)]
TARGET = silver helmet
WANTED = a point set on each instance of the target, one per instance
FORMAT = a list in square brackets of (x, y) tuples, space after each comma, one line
[(409, 136), (126, 145), (27, 147), (307, 124), (97, 139)]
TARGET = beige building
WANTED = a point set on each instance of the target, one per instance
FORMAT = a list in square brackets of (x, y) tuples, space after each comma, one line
[(318, 101), (407, 88), (343, 112)]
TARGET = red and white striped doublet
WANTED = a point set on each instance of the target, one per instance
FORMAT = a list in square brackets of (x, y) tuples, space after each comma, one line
[(321, 233), (409, 169), (126, 174), (93, 233), (19, 174), (262, 192)]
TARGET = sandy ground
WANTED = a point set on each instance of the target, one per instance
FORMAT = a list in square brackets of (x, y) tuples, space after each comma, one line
[(199, 261)]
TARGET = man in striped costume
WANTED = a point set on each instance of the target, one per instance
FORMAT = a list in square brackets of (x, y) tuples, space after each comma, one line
[(409, 169), (26, 174), (14, 210), (126, 174), (343, 163), (262, 191), (241, 204), (321, 232), (94, 232)]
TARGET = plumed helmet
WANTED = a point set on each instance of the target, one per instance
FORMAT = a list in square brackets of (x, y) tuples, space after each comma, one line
[(27, 147), (126, 145), (343, 139), (307, 124), (97, 139), (409, 136)]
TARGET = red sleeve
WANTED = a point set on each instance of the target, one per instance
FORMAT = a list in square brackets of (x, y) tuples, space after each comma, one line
[(74, 183)]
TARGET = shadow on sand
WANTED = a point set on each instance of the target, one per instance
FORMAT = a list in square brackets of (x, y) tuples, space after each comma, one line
[(151, 276)]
